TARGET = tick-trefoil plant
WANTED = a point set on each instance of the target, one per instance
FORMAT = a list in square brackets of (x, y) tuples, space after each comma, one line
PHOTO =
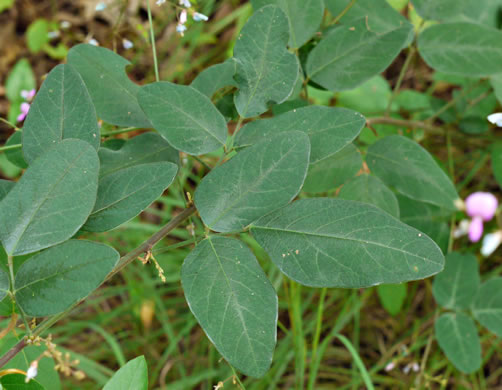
[(274, 181)]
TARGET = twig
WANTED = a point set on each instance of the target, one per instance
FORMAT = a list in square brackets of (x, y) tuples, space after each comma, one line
[(124, 261)]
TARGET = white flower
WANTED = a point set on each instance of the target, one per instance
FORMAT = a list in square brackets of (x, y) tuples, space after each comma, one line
[(100, 6), (65, 24), (462, 229), (160, 2), (390, 366), (93, 42), (127, 44), (183, 17), (32, 371), (491, 242), (496, 119), (53, 34), (185, 3), (415, 367), (200, 17), (180, 28)]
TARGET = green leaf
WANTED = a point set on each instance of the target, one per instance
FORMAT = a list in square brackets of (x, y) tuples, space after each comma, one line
[(333, 171), (132, 376), (329, 129), (5, 187), (6, 4), (287, 106), (456, 286), (439, 10), (37, 35), (381, 17), (352, 54), (458, 337), (4, 284), (62, 109), (371, 97), (183, 116), (474, 125), (470, 105), (487, 306), (58, 52), (496, 82), (426, 218), (15, 156), (143, 149), (266, 71), (496, 155), (232, 299), (112, 92), (324, 242), (259, 179), (20, 78), (53, 280), (392, 297), (215, 77), (52, 200), (370, 189), (304, 16), (483, 12), (403, 164), (125, 193), (462, 48), (17, 382)]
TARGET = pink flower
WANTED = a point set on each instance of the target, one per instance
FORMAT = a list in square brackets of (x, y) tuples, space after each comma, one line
[(28, 95), (481, 207), (25, 107)]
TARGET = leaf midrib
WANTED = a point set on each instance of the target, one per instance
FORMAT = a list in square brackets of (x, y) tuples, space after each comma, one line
[(359, 241), (256, 184), (49, 192), (236, 303)]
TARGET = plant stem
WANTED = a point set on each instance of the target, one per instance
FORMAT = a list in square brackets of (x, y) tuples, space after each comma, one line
[(406, 64), (150, 243), (345, 10), (317, 335), (451, 170), (452, 101), (404, 123), (124, 261), (10, 263), (9, 124), (10, 147), (152, 37), (120, 131), (232, 138)]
